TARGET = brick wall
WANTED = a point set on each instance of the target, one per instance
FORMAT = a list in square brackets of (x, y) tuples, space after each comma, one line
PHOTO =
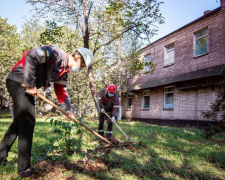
[(188, 104), (184, 56)]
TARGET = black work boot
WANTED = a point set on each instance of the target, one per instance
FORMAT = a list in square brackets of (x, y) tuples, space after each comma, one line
[(109, 135), (101, 132), (26, 173)]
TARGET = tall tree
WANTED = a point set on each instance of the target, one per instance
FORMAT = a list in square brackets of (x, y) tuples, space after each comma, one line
[(10, 51), (101, 22)]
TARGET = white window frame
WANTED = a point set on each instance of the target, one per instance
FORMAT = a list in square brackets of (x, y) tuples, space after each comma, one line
[(168, 87), (147, 59), (169, 52), (129, 98), (146, 93), (206, 35)]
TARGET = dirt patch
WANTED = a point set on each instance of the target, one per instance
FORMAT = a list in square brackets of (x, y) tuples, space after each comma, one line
[(86, 166), (66, 170)]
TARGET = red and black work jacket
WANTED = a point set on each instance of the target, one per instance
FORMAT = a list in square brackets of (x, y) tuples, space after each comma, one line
[(110, 104), (40, 66)]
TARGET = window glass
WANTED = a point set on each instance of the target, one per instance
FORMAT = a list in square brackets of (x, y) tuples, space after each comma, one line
[(147, 60), (201, 42), (146, 100), (169, 97), (201, 33), (169, 54), (129, 100)]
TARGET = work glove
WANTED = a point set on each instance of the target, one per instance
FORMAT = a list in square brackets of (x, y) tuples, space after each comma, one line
[(70, 114), (113, 119), (31, 90), (103, 110)]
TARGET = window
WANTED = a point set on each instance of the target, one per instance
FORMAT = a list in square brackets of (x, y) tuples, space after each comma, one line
[(129, 100), (201, 42), (169, 54), (168, 97), (146, 100), (147, 61)]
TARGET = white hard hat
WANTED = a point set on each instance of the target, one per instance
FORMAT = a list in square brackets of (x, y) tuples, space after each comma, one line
[(87, 56)]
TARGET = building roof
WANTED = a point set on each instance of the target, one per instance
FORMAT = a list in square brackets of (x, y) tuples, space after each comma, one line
[(203, 73)]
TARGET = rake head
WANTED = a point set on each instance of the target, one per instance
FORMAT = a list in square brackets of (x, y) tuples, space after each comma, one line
[(120, 145)]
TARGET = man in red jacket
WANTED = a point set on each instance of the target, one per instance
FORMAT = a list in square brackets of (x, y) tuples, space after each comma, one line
[(37, 68), (109, 104)]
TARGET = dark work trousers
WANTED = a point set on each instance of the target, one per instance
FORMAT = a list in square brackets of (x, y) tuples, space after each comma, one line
[(102, 119), (21, 127)]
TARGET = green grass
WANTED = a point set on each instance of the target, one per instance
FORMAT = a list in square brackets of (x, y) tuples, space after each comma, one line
[(166, 153)]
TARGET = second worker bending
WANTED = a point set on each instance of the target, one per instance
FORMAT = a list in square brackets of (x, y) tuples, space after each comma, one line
[(109, 103)]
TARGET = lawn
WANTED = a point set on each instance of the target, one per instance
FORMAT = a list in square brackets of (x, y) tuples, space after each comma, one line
[(165, 153)]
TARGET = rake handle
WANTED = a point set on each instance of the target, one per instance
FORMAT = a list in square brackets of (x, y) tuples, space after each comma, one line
[(74, 119), (118, 127)]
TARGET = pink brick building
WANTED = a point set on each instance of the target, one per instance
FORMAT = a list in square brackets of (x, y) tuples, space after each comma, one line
[(190, 67)]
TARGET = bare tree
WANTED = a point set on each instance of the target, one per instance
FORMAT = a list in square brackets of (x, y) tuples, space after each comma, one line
[(101, 22)]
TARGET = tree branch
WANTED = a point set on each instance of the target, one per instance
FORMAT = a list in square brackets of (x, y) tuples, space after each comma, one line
[(76, 15), (119, 35)]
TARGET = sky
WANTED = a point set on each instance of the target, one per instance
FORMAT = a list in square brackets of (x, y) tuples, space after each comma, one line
[(177, 13)]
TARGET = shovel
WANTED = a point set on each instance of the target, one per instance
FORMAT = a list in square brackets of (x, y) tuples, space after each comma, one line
[(74, 119)]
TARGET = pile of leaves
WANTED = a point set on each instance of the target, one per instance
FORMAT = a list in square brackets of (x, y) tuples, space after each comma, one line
[(49, 170), (95, 161)]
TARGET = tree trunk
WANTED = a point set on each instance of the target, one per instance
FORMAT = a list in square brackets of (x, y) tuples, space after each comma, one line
[(92, 87), (90, 72)]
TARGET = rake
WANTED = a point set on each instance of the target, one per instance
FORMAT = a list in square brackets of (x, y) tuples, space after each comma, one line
[(73, 119), (118, 127)]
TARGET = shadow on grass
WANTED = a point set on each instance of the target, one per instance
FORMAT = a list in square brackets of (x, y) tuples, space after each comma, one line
[(160, 166), (153, 162)]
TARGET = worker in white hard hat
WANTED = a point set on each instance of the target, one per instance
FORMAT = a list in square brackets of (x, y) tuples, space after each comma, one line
[(86, 56), (37, 68)]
